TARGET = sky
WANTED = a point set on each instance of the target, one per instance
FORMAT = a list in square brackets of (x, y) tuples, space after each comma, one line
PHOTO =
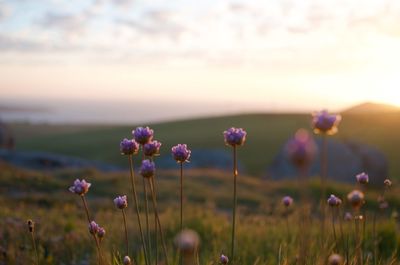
[(249, 55)]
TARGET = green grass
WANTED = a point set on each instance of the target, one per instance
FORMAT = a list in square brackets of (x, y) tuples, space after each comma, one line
[(266, 135)]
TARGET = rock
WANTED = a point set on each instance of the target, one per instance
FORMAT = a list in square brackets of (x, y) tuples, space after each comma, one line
[(346, 159)]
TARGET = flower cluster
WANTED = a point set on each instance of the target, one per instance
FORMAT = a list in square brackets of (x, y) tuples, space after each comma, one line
[(334, 201), (143, 135), (301, 149), (362, 178), (325, 123), (152, 148), (121, 202), (128, 147), (356, 198), (181, 153), (287, 201), (235, 136), (80, 187), (147, 169)]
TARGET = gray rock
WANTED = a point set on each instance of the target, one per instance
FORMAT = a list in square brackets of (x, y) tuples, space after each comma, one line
[(346, 159)]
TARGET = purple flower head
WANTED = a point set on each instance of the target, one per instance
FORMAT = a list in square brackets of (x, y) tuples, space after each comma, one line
[(143, 135), (181, 153), (334, 201), (301, 149), (356, 198), (127, 260), (187, 241), (121, 202), (325, 123), (348, 216), (287, 201), (147, 169), (152, 148), (128, 147), (362, 178), (80, 187), (101, 232), (335, 259), (387, 182), (235, 136), (93, 228), (223, 259)]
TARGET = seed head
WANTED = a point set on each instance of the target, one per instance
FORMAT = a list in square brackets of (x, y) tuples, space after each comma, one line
[(235, 136), (80, 187), (128, 147), (31, 226)]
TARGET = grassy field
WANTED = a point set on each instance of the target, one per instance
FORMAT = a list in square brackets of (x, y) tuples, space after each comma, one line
[(266, 135), (262, 236)]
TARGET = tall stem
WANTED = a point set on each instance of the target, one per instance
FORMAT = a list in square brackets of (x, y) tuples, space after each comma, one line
[(158, 220), (334, 229), (34, 247), (235, 173), (375, 240), (341, 227), (94, 236), (126, 233), (147, 216), (137, 208), (324, 172), (358, 243), (155, 223), (181, 216)]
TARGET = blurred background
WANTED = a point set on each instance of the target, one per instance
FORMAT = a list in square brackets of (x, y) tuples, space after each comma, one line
[(77, 76)]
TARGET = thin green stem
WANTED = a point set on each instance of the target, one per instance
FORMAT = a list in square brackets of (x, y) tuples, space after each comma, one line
[(358, 242), (324, 172), (153, 196), (100, 257), (147, 216), (126, 233), (34, 247), (132, 178), (235, 173), (375, 240), (334, 229), (155, 223), (181, 216)]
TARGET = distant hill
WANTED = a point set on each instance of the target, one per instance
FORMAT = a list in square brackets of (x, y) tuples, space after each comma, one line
[(370, 107)]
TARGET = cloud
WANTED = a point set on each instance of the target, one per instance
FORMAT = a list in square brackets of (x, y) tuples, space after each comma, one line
[(5, 11), (70, 23)]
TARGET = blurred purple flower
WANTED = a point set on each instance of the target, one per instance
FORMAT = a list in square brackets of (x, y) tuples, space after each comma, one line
[(80, 187), (181, 153), (287, 201), (152, 148), (348, 216), (325, 123), (128, 147), (143, 135), (223, 259), (121, 202), (362, 178), (147, 169), (335, 259), (93, 228), (127, 260), (235, 136), (301, 149), (334, 201), (356, 198), (101, 232)]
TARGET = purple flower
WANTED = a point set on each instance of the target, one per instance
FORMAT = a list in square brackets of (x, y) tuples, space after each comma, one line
[(362, 178), (80, 187), (334, 201), (348, 216), (147, 169), (121, 202), (335, 259), (152, 148), (235, 136), (143, 135), (181, 153), (101, 232), (223, 259), (127, 260), (325, 123), (356, 198), (128, 147), (287, 201), (301, 149), (93, 228)]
